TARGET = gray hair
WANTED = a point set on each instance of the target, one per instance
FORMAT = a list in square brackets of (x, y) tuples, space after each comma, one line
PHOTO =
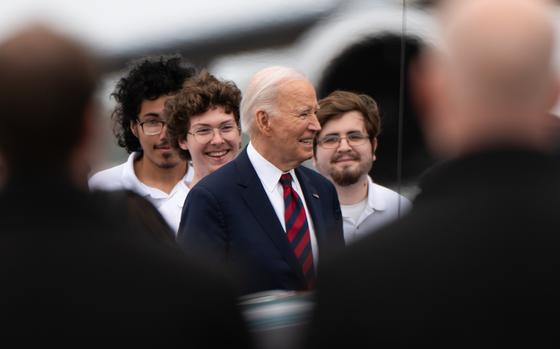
[(261, 93)]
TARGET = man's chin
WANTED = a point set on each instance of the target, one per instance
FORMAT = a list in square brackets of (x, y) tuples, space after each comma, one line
[(345, 178), (168, 164), (306, 156)]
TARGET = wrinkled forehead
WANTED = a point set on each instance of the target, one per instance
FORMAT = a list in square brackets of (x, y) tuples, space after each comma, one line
[(296, 92)]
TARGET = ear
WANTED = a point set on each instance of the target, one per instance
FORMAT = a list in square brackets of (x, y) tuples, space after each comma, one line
[(262, 121), (183, 144), (427, 85), (134, 128), (373, 147)]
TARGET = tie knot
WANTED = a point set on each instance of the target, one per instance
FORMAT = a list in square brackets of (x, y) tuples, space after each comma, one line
[(286, 180)]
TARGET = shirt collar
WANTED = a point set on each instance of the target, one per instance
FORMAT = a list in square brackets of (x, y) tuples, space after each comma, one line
[(129, 178), (132, 182), (375, 197), (266, 171)]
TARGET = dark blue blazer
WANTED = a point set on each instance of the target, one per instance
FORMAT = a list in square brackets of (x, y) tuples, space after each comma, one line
[(228, 218)]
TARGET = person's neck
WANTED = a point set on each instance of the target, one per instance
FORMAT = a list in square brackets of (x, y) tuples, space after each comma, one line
[(271, 156), (354, 193), (195, 179), (163, 179)]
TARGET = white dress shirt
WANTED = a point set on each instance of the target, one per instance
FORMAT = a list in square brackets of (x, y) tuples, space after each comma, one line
[(270, 180), (123, 177), (382, 206)]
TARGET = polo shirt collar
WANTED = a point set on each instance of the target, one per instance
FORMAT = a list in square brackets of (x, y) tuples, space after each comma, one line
[(131, 181), (376, 200)]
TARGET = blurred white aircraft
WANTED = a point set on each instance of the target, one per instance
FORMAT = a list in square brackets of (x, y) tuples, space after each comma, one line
[(366, 46)]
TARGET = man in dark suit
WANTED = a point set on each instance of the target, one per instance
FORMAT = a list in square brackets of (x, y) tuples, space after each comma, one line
[(475, 263), (263, 214), (74, 263)]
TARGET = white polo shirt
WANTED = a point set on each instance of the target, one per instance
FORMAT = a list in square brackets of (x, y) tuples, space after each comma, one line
[(381, 207), (123, 177)]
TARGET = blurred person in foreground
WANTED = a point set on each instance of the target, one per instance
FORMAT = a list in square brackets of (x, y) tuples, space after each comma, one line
[(74, 263), (263, 214), (344, 152), (203, 123), (475, 262), (154, 169)]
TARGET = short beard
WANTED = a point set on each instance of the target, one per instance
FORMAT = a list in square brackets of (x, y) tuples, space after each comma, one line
[(167, 165), (346, 177), (168, 162)]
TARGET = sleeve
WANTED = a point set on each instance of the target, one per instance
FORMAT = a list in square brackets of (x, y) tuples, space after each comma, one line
[(202, 230)]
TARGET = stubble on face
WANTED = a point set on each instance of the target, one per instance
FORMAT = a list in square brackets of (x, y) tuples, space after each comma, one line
[(348, 175), (167, 159)]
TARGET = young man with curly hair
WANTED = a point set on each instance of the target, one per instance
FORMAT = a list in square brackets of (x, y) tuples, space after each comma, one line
[(154, 169), (203, 123)]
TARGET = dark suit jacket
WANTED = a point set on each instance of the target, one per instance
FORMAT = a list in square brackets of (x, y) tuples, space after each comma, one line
[(73, 264), (475, 264), (229, 218)]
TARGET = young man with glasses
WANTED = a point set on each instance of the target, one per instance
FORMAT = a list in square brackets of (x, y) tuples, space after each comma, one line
[(344, 152), (154, 169), (203, 123)]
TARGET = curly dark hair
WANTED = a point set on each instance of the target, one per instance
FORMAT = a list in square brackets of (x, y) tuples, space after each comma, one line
[(198, 95), (147, 79)]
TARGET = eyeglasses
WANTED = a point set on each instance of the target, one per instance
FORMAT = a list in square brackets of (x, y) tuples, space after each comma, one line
[(204, 135), (152, 127), (333, 141)]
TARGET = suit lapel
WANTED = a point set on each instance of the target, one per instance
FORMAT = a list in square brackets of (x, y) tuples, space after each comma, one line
[(257, 200), (313, 202)]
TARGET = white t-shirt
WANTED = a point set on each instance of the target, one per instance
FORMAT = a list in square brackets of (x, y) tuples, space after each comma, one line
[(123, 177), (381, 207), (354, 212)]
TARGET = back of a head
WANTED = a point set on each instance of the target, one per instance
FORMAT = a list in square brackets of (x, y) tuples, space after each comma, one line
[(46, 85), (496, 74), (501, 50), (262, 90)]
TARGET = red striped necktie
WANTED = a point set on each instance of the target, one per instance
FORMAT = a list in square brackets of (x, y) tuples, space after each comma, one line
[(297, 229)]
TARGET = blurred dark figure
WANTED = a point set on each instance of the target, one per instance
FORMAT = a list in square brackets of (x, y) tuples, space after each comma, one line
[(74, 263), (475, 263), (2, 171)]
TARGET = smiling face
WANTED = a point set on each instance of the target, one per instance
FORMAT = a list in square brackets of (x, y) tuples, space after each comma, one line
[(290, 132), (156, 148), (213, 140), (345, 164)]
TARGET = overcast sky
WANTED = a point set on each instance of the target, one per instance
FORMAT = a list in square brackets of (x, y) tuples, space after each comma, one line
[(114, 25)]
